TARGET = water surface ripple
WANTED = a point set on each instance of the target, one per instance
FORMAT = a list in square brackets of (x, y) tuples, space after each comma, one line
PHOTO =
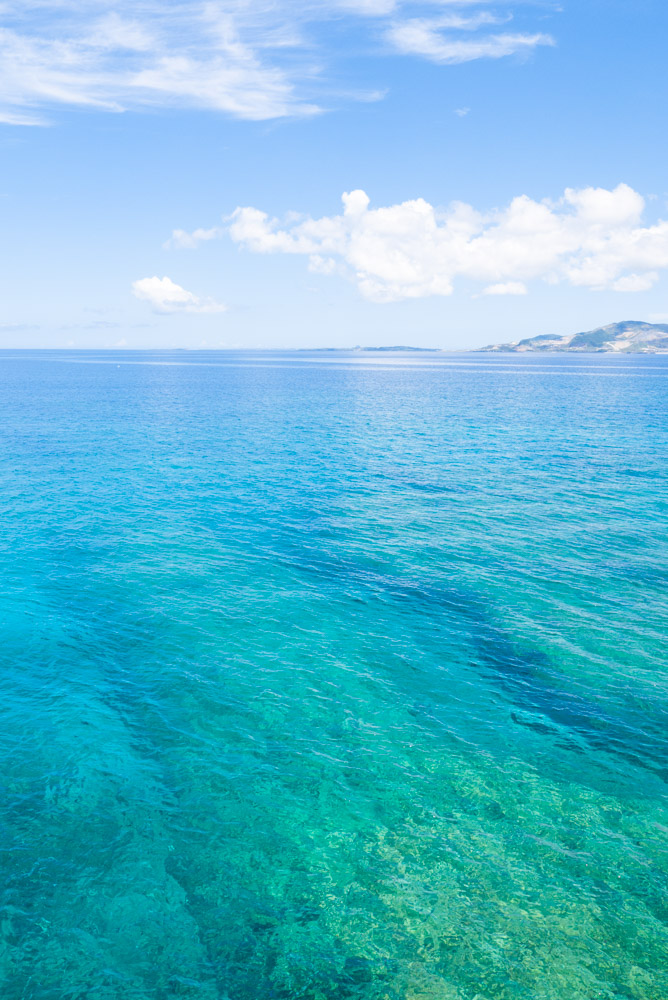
[(332, 675)]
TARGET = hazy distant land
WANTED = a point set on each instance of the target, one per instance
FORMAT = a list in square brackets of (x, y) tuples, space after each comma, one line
[(628, 337)]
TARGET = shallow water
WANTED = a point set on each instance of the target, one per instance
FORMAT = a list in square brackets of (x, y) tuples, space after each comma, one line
[(333, 675)]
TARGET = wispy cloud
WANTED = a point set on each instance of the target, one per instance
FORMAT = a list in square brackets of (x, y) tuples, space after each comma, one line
[(177, 54), (434, 40), (592, 238), (183, 240), (252, 59), (167, 297)]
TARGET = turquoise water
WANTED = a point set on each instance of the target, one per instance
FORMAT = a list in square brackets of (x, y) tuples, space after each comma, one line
[(333, 676)]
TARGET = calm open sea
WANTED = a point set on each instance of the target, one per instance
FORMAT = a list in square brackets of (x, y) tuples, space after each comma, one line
[(332, 675)]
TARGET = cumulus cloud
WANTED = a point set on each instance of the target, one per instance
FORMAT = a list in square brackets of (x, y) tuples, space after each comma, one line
[(593, 237), (232, 56), (167, 297)]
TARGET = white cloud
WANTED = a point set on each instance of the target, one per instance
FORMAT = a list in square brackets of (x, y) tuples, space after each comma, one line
[(245, 58), (506, 288), (8, 117), (114, 32), (183, 240), (591, 237), (424, 37), (599, 206), (175, 54), (368, 8), (167, 297), (636, 282), (41, 73)]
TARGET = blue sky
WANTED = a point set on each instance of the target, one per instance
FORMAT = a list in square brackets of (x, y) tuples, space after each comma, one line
[(173, 173)]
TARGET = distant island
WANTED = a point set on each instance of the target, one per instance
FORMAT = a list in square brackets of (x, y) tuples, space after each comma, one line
[(628, 337), (397, 348), (358, 348)]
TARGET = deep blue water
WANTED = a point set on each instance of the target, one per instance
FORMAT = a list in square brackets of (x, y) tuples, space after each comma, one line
[(332, 675)]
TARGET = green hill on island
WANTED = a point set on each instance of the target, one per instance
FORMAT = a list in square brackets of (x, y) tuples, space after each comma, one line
[(628, 337)]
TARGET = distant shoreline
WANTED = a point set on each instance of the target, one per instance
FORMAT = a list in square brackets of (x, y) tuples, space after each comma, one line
[(488, 351)]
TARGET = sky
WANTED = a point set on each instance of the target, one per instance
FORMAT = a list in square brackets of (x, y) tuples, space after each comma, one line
[(275, 173)]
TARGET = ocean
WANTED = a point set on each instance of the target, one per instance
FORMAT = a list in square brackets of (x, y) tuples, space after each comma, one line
[(333, 675)]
